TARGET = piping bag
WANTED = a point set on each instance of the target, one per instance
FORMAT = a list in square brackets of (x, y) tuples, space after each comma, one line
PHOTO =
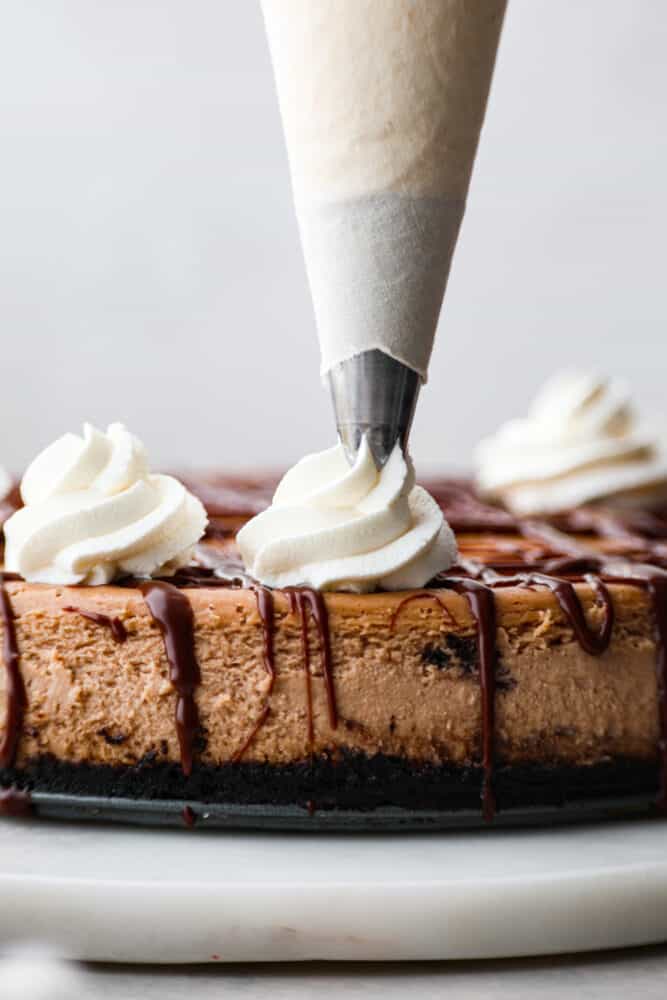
[(382, 104)]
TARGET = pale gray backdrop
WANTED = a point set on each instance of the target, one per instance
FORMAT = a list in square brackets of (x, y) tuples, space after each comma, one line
[(150, 269)]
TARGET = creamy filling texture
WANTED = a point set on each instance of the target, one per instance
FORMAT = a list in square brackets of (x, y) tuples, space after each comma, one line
[(336, 527), (94, 512), (580, 443)]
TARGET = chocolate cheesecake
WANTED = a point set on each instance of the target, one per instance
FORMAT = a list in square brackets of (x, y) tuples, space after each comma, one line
[(529, 677)]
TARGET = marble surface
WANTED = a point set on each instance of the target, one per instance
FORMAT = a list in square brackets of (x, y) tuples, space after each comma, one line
[(136, 895)]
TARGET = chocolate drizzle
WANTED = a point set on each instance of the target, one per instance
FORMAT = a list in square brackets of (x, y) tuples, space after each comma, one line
[(15, 802), (478, 587), (657, 587), (172, 612), (264, 714), (297, 607), (593, 546), (633, 551), (265, 609), (189, 816), (565, 593), (115, 625), (421, 596), (223, 571), (17, 700), (482, 606), (303, 601), (546, 554)]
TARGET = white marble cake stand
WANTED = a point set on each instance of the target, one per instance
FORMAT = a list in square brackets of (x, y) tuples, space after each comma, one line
[(125, 895)]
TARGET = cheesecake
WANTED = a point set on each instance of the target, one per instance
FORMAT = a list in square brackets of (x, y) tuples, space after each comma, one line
[(527, 679)]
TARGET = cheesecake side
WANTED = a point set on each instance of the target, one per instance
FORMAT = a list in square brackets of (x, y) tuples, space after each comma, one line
[(405, 668)]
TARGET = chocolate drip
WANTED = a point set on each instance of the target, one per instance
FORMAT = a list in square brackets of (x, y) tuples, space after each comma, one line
[(657, 588), (15, 802), (421, 596), (297, 607), (189, 816), (17, 699), (264, 598), (483, 607), (529, 553), (265, 609), (172, 612), (223, 571), (238, 754), (303, 601), (115, 625), (594, 643), (545, 554), (580, 566)]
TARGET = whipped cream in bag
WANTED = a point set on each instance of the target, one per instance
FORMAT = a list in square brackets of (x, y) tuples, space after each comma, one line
[(382, 103)]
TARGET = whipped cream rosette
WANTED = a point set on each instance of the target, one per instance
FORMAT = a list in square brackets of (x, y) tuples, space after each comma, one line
[(581, 442), (93, 512), (336, 527)]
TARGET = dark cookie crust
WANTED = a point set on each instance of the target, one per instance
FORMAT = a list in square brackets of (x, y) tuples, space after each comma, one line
[(348, 781)]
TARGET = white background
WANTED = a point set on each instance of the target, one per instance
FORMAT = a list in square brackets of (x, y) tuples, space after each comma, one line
[(150, 269)]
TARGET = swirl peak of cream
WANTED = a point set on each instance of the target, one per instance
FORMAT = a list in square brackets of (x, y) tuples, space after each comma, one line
[(93, 512), (332, 526), (580, 443)]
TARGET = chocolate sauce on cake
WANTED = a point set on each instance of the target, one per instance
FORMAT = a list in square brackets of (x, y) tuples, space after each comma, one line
[(304, 601), (264, 714), (657, 588), (17, 701), (114, 624), (189, 816), (571, 560), (482, 606), (15, 802), (297, 607), (556, 562), (172, 612), (551, 553), (265, 609)]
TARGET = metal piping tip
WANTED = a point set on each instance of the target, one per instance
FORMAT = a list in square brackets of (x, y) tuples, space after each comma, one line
[(375, 395)]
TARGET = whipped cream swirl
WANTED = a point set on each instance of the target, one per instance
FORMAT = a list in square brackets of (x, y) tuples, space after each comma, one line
[(336, 527), (94, 512), (581, 442)]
